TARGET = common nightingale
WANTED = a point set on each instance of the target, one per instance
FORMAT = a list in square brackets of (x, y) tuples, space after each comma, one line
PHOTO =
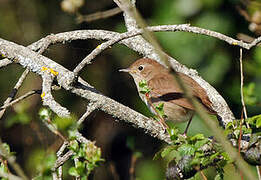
[(165, 89)]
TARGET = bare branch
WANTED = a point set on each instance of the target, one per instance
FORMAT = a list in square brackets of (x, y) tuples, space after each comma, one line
[(61, 160), (5, 62), (242, 97), (34, 62), (242, 84), (98, 15), (90, 108), (19, 99), (48, 99), (9, 176), (13, 93), (101, 48), (12, 161)]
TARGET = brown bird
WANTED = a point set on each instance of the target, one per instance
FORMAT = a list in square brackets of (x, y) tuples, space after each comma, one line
[(165, 89)]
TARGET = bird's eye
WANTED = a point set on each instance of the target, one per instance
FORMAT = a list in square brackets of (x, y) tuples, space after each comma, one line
[(140, 68)]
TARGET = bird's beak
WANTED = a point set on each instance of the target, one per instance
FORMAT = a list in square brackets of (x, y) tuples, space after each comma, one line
[(125, 70)]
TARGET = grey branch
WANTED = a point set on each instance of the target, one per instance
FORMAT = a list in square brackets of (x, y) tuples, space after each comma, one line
[(90, 108), (9, 176), (61, 160), (34, 62), (5, 62), (48, 99), (98, 15), (18, 100), (12, 161), (14, 92)]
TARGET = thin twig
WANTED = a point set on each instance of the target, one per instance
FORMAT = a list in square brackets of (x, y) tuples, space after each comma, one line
[(242, 100), (12, 162), (49, 124), (98, 15), (62, 148), (108, 35), (203, 175), (61, 160), (58, 176), (14, 92), (162, 121), (60, 172), (132, 167), (90, 108), (54, 175), (20, 99), (100, 48), (9, 176), (242, 84), (258, 172), (239, 140), (76, 160), (136, 21)]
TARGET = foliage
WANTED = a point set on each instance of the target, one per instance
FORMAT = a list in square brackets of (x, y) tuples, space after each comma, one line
[(3, 169), (144, 88), (86, 156), (41, 163), (197, 148)]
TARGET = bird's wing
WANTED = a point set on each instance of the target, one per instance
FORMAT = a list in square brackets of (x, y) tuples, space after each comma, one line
[(198, 92), (165, 87)]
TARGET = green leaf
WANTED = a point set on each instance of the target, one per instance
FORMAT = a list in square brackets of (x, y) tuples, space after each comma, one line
[(173, 132), (213, 156), (199, 144), (218, 177), (225, 156), (166, 151), (7, 148), (186, 149), (197, 137), (160, 110), (230, 125), (255, 121), (236, 133), (73, 171), (72, 134), (258, 123), (45, 113), (3, 169), (64, 123), (74, 146), (144, 88)]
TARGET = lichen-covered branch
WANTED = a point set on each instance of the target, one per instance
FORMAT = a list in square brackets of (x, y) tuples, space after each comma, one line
[(35, 62)]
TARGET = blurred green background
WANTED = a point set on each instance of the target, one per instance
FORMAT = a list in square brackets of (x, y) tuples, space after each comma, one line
[(26, 21)]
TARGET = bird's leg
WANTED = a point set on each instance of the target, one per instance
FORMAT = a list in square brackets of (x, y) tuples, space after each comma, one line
[(186, 130)]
